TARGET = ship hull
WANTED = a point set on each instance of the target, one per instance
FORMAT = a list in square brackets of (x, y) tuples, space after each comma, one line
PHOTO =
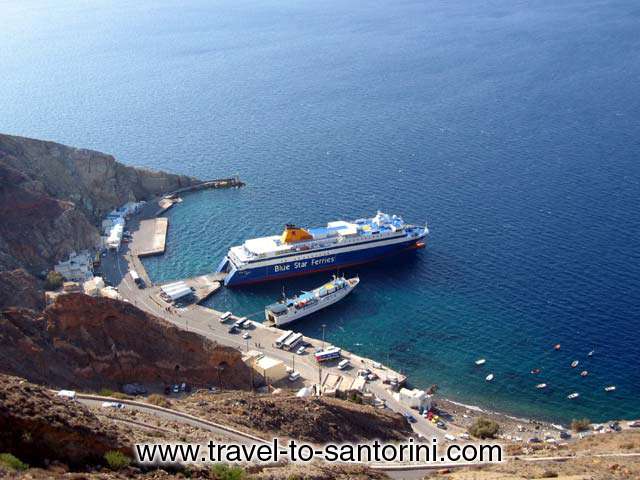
[(323, 303), (329, 262)]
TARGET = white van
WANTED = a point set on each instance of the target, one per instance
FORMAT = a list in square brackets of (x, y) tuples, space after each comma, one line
[(343, 364), (294, 376), (224, 317)]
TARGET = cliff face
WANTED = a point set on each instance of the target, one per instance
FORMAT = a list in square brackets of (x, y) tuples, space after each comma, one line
[(36, 425), (94, 343), (52, 196)]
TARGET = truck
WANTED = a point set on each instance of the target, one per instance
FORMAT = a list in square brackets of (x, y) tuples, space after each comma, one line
[(330, 353), (136, 278)]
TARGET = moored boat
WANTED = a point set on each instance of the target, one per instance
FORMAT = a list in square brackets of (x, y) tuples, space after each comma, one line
[(610, 388), (291, 309), (573, 395), (574, 364), (541, 385), (584, 373), (481, 361), (489, 377), (300, 251)]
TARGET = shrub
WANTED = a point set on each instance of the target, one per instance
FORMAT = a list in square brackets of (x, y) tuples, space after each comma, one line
[(225, 472), (53, 281), (484, 428), (580, 425), (117, 460), (12, 462), (105, 392), (158, 400), (549, 474)]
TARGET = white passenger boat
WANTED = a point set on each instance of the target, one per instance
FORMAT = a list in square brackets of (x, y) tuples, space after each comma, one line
[(481, 361), (610, 388), (574, 364), (573, 395), (489, 377), (291, 309), (540, 386)]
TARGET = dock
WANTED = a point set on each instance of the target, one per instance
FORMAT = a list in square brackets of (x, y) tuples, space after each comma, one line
[(151, 237), (203, 286)]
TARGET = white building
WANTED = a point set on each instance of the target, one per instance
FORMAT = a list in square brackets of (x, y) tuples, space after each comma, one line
[(78, 268), (92, 287), (176, 291), (414, 398)]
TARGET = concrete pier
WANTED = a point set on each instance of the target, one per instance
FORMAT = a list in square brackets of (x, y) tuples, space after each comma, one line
[(204, 285), (151, 237)]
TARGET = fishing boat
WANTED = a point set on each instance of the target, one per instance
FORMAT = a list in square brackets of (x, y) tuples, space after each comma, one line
[(481, 361), (556, 346), (291, 309), (489, 377), (535, 371), (590, 354), (574, 364), (610, 388), (573, 395), (584, 373), (540, 386)]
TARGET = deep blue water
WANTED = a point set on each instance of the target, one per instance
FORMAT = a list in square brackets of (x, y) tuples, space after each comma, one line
[(512, 127)]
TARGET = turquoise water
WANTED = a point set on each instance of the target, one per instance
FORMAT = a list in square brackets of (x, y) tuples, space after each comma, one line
[(512, 128)]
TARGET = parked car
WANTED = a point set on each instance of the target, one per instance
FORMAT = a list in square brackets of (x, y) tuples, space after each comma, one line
[(294, 376), (615, 426), (410, 418), (301, 349), (116, 405), (176, 388), (635, 424), (565, 435), (246, 335), (441, 424), (534, 440)]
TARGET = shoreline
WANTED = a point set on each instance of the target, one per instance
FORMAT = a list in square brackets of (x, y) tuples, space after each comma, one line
[(462, 413)]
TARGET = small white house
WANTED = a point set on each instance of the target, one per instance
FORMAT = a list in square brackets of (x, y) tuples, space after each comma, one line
[(415, 398), (78, 268)]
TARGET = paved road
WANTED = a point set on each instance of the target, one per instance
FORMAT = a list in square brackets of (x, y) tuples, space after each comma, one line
[(205, 321)]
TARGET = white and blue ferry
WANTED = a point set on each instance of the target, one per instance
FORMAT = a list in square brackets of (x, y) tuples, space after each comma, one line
[(338, 245)]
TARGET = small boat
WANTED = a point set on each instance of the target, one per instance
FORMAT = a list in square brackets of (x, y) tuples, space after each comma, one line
[(610, 388), (489, 377), (584, 373), (557, 346), (535, 371), (481, 361), (540, 386), (574, 364), (590, 354), (573, 395), (291, 309)]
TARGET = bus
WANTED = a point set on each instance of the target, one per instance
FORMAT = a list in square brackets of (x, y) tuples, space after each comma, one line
[(291, 342), (242, 323), (281, 339)]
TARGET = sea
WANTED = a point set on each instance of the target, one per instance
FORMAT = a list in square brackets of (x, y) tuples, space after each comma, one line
[(511, 127)]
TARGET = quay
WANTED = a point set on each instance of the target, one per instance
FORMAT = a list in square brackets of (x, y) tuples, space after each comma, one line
[(170, 199), (151, 237), (206, 322), (202, 286)]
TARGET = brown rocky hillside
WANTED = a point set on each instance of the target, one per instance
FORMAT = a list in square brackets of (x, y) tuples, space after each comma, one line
[(309, 419), (92, 343)]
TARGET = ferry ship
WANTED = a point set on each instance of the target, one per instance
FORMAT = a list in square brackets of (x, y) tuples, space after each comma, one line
[(300, 251), (291, 309)]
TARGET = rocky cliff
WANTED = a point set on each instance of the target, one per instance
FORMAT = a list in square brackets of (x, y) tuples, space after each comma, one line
[(37, 426), (52, 197), (92, 343)]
